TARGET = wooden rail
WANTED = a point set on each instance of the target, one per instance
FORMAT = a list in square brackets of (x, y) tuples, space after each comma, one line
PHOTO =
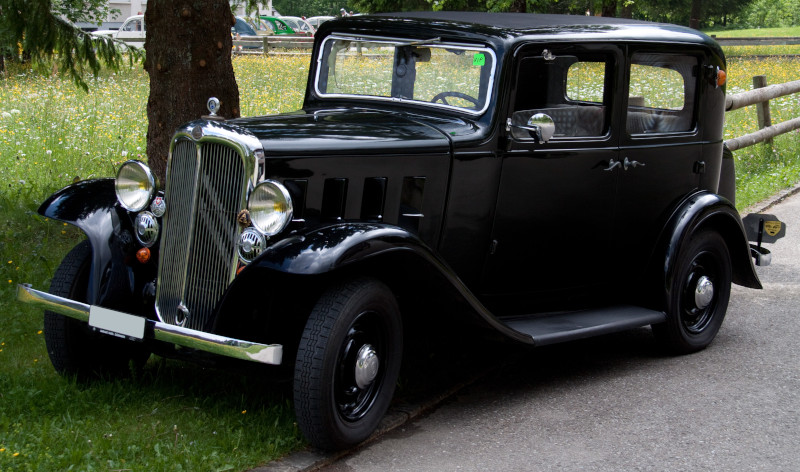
[(756, 41), (761, 96), (265, 44)]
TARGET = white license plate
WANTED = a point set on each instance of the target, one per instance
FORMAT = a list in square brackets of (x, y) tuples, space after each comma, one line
[(116, 322)]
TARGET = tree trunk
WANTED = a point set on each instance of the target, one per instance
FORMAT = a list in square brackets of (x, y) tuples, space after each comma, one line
[(609, 8), (519, 6), (694, 20), (188, 59)]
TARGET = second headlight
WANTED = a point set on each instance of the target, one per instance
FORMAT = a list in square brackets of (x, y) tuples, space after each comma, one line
[(270, 207)]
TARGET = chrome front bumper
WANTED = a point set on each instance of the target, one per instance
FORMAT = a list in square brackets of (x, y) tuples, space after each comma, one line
[(221, 345)]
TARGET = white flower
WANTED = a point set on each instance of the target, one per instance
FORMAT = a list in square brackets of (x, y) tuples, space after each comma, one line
[(48, 152), (15, 112), (124, 153), (6, 114)]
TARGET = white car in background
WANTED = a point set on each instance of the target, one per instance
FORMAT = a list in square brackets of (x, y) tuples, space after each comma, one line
[(132, 32), (315, 21)]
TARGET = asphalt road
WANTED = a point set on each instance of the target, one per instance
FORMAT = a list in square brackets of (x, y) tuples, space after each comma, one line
[(617, 403)]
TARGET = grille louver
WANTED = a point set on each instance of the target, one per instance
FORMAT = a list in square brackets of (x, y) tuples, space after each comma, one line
[(205, 190)]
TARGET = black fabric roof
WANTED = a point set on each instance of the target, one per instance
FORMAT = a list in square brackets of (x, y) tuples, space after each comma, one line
[(519, 21)]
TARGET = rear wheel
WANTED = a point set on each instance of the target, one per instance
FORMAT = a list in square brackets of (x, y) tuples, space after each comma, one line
[(73, 348), (698, 296), (347, 364)]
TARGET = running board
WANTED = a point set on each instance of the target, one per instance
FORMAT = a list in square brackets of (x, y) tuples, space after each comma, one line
[(561, 327)]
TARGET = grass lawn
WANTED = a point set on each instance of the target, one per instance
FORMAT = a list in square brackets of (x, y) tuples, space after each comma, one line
[(793, 31), (176, 416)]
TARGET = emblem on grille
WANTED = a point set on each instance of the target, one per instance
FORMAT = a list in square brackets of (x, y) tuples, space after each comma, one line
[(243, 218)]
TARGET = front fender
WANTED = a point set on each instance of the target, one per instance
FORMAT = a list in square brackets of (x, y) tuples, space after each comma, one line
[(709, 210), (333, 247), (329, 249), (91, 205)]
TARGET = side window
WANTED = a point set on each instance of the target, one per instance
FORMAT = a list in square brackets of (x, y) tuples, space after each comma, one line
[(133, 25), (661, 93), (569, 89)]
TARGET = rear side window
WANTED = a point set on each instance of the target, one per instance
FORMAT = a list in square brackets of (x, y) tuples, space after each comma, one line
[(661, 93)]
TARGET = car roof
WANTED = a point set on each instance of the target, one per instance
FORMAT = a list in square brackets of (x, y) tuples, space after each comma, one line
[(512, 27)]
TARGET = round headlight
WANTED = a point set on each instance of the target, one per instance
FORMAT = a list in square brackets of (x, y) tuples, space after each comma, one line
[(270, 207), (135, 185)]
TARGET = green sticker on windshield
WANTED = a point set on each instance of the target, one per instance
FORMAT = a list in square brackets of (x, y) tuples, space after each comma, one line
[(479, 59)]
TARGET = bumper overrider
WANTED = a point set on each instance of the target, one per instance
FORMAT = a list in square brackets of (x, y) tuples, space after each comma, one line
[(129, 326)]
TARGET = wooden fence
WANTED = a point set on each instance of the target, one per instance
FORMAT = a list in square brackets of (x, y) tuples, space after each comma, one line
[(268, 44), (761, 96)]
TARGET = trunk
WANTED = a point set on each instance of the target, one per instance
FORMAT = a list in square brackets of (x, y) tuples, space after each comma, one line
[(519, 6), (694, 21), (609, 8), (627, 10), (188, 59)]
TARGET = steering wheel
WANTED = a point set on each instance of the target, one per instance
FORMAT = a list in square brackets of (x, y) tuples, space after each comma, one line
[(443, 97)]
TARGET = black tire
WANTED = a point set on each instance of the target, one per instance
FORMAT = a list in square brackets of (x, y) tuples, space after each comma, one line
[(334, 408), (695, 314), (73, 348)]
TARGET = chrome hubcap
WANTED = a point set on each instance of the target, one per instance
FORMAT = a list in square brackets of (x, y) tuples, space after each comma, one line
[(367, 364), (704, 292)]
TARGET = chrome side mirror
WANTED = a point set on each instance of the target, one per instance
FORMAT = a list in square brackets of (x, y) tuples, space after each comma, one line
[(540, 126)]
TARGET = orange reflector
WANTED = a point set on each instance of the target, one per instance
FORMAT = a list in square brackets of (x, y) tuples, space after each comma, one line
[(143, 255), (722, 77)]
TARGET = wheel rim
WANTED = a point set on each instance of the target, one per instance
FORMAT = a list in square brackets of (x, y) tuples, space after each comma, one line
[(699, 297), (360, 366)]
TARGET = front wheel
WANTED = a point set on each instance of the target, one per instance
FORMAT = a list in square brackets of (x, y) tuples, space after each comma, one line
[(698, 294), (73, 348), (347, 363)]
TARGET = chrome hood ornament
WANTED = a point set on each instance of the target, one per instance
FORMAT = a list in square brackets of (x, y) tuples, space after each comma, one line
[(213, 107)]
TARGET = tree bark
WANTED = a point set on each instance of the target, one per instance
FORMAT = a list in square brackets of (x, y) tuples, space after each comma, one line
[(609, 8), (694, 20), (188, 59)]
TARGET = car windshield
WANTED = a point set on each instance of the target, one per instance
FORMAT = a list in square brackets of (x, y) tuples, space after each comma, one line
[(425, 71)]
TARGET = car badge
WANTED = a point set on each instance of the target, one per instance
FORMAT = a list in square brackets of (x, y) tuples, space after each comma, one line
[(244, 218), (197, 132), (158, 207)]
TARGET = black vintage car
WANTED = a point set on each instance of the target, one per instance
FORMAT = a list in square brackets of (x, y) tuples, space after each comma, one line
[(545, 178)]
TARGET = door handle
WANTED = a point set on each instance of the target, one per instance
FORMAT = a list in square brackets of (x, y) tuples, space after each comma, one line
[(612, 164), (634, 164)]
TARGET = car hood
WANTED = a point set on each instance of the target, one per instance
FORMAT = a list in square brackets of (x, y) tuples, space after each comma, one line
[(344, 131)]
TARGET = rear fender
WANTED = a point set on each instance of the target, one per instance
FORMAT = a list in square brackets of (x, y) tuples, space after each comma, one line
[(91, 205), (707, 210)]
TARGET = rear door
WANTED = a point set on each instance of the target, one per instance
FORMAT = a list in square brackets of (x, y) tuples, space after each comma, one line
[(553, 229), (661, 148)]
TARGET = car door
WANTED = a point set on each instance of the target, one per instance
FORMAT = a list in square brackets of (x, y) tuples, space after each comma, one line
[(553, 225), (661, 149)]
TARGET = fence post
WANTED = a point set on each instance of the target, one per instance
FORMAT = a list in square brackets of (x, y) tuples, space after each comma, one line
[(762, 109), (266, 46)]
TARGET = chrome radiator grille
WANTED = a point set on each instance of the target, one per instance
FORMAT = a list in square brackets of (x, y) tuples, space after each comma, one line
[(205, 190)]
